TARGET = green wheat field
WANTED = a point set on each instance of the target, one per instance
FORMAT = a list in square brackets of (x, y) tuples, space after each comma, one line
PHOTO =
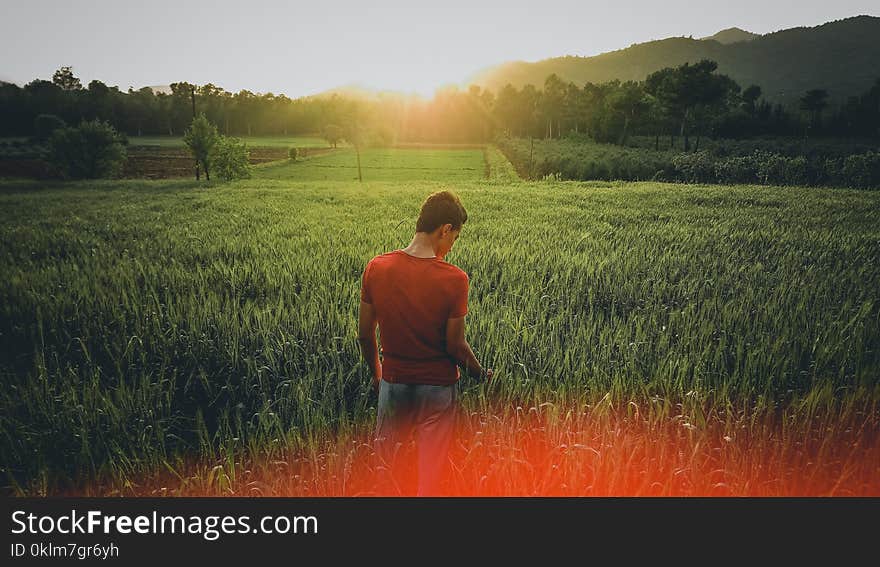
[(183, 337)]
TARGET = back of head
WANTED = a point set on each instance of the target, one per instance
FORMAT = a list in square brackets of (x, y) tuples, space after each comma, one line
[(441, 207)]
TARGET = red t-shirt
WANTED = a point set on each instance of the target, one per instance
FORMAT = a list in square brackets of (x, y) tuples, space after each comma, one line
[(413, 297)]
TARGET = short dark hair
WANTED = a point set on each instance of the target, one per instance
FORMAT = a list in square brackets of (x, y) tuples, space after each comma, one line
[(441, 207)]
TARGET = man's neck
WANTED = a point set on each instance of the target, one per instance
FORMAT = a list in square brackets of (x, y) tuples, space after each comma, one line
[(421, 246)]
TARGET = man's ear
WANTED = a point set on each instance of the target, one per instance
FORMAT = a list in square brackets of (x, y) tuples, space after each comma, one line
[(447, 228)]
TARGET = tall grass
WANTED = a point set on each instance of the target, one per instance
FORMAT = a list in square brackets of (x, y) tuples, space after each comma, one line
[(200, 338), (499, 167)]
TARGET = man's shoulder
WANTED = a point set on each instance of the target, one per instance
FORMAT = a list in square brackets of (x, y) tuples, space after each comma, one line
[(447, 270), (454, 271), (381, 258)]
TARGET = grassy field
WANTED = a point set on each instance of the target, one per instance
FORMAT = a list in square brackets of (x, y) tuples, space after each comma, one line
[(252, 141), (164, 162), (169, 337), (384, 164)]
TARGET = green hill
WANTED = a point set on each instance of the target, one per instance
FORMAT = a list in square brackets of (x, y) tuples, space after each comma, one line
[(842, 57), (732, 35)]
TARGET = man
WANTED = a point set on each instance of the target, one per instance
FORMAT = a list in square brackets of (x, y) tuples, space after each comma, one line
[(419, 302)]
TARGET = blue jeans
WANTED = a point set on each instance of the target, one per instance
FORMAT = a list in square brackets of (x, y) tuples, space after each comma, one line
[(429, 412)]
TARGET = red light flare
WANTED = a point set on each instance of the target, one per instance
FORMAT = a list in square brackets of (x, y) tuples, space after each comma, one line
[(542, 451)]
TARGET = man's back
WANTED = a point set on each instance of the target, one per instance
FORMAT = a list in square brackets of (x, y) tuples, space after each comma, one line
[(413, 298)]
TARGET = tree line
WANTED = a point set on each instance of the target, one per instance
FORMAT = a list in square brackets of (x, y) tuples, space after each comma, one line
[(690, 101)]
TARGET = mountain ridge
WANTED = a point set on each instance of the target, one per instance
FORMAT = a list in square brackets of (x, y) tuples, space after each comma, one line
[(732, 35), (841, 56)]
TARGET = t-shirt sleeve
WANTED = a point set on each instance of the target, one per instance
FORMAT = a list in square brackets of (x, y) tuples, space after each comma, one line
[(366, 295), (460, 297)]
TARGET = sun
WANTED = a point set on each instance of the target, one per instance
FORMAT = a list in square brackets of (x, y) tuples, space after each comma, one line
[(423, 81)]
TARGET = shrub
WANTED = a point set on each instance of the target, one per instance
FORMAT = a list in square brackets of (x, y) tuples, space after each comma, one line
[(763, 167), (91, 150), (696, 167), (832, 172), (333, 134), (862, 170), (292, 153), (736, 169), (774, 161), (230, 158), (600, 171), (584, 169), (45, 124), (769, 167), (794, 171)]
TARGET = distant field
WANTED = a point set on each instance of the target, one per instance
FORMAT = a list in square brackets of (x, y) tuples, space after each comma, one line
[(163, 162), (253, 141), (316, 163), (385, 164)]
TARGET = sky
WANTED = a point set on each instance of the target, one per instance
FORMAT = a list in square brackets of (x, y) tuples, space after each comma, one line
[(302, 48)]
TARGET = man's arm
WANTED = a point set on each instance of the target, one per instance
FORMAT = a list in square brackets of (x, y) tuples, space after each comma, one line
[(458, 348), (367, 339)]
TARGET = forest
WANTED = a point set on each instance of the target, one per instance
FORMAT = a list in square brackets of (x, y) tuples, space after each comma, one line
[(691, 101)]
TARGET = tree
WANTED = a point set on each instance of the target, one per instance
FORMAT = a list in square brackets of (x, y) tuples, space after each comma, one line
[(333, 134), (180, 106), (99, 101), (14, 121), (605, 122), (683, 88), (91, 150), (355, 135), (749, 97), (65, 79), (592, 102), (656, 119), (45, 124), (572, 106), (504, 111), (552, 102), (142, 109), (211, 100), (245, 106), (861, 114), (200, 138), (476, 112), (528, 110), (628, 100), (720, 93), (813, 103), (230, 158)]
